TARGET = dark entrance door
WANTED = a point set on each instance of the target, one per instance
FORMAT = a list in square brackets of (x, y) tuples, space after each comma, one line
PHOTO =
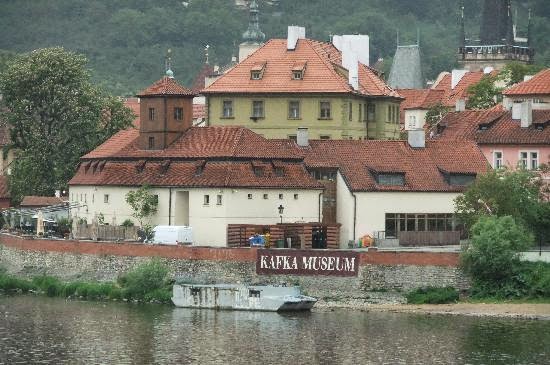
[(319, 237)]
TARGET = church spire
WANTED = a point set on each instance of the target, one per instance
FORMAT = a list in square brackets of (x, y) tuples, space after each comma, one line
[(509, 24), (254, 34), (462, 29), (529, 31)]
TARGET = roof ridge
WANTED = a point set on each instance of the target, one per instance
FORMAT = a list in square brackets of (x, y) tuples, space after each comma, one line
[(327, 63)]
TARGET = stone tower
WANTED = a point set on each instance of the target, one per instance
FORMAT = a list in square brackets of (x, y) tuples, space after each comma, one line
[(166, 112), (497, 43), (253, 37)]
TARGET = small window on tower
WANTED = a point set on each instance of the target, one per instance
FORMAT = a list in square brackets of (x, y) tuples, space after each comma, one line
[(151, 113), (151, 143), (178, 113)]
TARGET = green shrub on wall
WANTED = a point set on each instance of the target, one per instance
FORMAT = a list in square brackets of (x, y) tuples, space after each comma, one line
[(433, 295)]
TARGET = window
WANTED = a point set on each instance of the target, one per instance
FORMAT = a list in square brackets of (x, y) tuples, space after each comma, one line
[(279, 171), (371, 112), (255, 75), (324, 137), (360, 113), (419, 222), (195, 291), (297, 75), (257, 109), (325, 110), (497, 159), (293, 109), (350, 111), (106, 198), (391, 179), (227, 109), (411, 122), (461, 179), (293, 137), (281, 196), (206, 200), (178, 113), (523, 160), (219, 199), (151, 143), (295, 196), (151, 113), (266, 196), (249, 196), (258, 171), (534, 163)]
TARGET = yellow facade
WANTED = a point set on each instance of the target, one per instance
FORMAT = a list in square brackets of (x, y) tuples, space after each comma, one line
[(280, 119)]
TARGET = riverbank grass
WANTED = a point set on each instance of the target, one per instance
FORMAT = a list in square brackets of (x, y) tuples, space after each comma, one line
[(146, 283), (433, 295)]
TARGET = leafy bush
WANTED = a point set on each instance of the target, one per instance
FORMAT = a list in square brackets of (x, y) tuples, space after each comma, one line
[(49, 285), (493, 256), (8, 282), (433, 295), (127, 223), (144, 279)]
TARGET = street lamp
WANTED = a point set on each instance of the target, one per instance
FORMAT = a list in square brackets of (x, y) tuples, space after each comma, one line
[(281, 210)]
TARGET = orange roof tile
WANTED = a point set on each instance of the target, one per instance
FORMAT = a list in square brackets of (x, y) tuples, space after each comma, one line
[(495, 126), (320, 75), (419, 99), (422, 167), (166, 86), (461, 89), (538, 85), (199, 111), (41, 201)]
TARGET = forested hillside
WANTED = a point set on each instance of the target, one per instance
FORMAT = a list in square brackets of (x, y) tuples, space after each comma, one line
[(126, 40)]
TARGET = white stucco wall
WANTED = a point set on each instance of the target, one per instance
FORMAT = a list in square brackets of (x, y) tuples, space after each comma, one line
[(373, 206), (420, 115), (209, 222)]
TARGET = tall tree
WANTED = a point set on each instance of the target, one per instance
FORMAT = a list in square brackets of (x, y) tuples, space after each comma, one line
[(55, 115)]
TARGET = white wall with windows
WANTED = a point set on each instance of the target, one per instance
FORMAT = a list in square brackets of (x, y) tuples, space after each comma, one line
[(415, 119), (207, 210)]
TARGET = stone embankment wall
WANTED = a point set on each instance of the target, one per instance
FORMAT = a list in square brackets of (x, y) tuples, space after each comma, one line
[(382, 276)]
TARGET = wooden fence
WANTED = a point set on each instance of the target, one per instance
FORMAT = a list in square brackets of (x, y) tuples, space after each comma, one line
[(300, 234), (429, 238), (105, 233)]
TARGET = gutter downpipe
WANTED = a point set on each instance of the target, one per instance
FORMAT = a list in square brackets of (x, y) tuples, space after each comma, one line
[(169, 206), (165, 134), (354, 214), (320, 194)]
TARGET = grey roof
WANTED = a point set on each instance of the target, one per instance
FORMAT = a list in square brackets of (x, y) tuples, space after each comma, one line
[(406, 71)]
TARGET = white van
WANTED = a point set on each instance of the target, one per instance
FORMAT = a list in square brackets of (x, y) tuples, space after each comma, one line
[(172, 235)]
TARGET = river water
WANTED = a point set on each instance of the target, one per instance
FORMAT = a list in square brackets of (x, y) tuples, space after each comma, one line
[(38, 330)]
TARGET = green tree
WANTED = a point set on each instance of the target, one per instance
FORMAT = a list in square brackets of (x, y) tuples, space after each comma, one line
[(143, 203), (436, 113), (493, 256), (484, 94), (515, 193), (55, 116), (515, 72)]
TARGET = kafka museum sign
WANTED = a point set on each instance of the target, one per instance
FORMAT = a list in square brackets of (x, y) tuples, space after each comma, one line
[(307, 263)]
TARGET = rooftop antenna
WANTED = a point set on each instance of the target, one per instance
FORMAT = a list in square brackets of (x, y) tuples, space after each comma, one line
[(168, 64)]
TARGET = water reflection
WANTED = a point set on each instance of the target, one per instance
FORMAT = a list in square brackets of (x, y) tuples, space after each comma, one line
[(53, 331)]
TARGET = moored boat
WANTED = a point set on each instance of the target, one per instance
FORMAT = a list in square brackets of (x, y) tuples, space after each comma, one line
[(241, 297)]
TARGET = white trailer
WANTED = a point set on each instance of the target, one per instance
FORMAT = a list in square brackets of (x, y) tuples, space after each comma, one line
[(172, 235)]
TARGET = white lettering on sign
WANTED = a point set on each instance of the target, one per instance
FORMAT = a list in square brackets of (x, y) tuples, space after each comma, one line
[(311, 263)]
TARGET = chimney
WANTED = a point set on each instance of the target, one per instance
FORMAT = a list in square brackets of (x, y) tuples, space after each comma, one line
[(460, 105), (526, 114), (294, 33), (516, 111), (456, 76), (357, 43), (350, 61), (57, 193), (417, 138), (302, 137), (528, 77)]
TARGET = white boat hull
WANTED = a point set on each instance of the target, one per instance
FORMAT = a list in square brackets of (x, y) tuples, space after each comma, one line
[(241, 297)]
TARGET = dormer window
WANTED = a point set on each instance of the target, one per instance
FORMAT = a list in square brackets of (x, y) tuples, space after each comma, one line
[(258, 171), (390, 179), (298, 70), (279, 171), (461, 179), (257, 71), (199, 167)]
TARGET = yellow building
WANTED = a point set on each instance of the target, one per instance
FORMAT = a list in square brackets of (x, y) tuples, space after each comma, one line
[(298, 82)]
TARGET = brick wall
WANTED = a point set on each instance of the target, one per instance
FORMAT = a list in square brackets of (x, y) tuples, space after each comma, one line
[(396, 272)]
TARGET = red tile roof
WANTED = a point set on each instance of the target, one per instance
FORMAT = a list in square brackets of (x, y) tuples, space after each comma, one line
[(323, 72), (423, 167), (166, 86), (133, 104), (41, 201), (419, 99), (199, 111), (461, 89), (495, 126), (538, 85)]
